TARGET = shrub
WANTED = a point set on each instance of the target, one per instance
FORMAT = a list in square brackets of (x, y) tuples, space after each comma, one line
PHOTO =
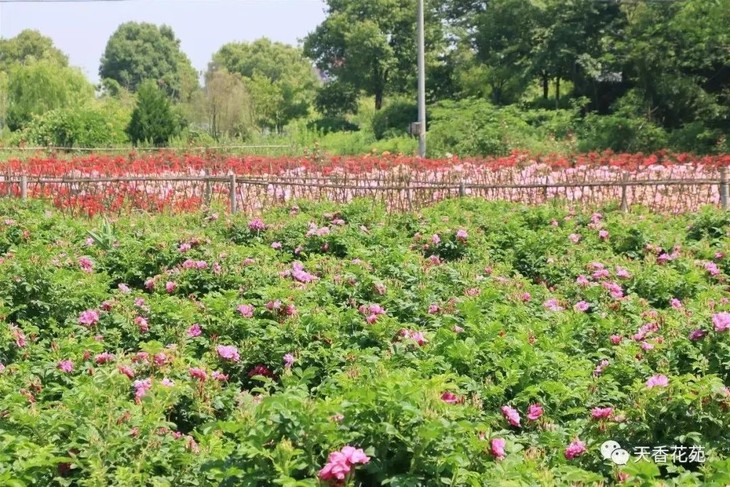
[(153, 120)]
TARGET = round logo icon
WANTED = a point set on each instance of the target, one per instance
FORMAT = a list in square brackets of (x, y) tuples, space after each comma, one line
[(608, 447)]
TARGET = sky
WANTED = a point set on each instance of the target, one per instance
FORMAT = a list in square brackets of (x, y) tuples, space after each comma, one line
[(81, 29)]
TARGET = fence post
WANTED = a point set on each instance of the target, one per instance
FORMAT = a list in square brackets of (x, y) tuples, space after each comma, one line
[(462, 189), (233, 193), (624, 198), (23, 187), (208, 190), (723, 188)]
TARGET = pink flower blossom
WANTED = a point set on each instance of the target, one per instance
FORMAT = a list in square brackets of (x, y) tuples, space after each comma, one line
[(511, 415), (257, 225), (107, 305), (340, 463), (19, 337), (601, 413), (126, 370), (552, 305), (170, 286), (124, 289), (380, 288), (160, 359), (228, 352), (276, 245), (142, 324), (616, 339), (554, 223), (167, 382), (433, 309), (461, 235), (2, 368), (248, 261), (497, 448), (712, 268), (601, 274), (721, 321), (149, 284), (86, 264), (596, 217), (184, 247), (646, 346), (458, 329), (219, 376), (657, 381), (246, 310), (288, 360), (676, 303), (575, 449), (194, 331), (534, 411), (600, 367), (450, 398), (104, 357), (574, 237), (65, 366), (622, 273), (525, 297), (197, 373), (89, 317), (697, 334), (719, 255), (260, 370), (581, 306), (582, 281), (435, 239), (603, 234), (416, 336), (141, 387)]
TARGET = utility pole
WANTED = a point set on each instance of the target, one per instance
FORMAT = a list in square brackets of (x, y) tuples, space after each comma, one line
[(421, 82)]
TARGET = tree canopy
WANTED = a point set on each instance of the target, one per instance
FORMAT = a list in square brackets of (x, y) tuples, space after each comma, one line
[(138, 52), (27, 47), (280, 80)]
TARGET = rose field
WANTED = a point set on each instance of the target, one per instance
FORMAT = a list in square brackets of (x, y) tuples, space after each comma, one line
[(167, 181), (470, 343)]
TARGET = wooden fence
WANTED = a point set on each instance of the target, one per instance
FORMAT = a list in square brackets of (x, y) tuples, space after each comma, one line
[(251, 194)]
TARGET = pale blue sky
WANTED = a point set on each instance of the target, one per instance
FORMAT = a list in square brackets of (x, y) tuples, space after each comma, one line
[(81, 30)]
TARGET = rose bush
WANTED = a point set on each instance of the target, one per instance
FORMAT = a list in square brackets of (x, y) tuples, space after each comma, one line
[(472, 343)]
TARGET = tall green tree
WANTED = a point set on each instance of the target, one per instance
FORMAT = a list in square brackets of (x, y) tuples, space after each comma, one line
[(371, 44), (280, 80), (137, 52), (42, 86), (153, 119), (27, 47)]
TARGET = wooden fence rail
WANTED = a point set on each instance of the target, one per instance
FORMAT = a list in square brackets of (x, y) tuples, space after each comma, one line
[(253, 193)]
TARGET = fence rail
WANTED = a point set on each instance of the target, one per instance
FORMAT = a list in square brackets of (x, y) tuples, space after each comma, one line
[(253, 193)]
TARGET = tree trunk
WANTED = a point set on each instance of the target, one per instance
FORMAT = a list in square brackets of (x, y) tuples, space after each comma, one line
[(545, 86), (557, 92), (378, 99)]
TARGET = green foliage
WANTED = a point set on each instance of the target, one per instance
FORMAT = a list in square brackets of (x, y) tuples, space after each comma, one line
[(395, 119), (137, 52), (37, 88), (280, 80), (620, 133), (28, 47), (482, 296), (153, 120), (370, 44), (96, 125)]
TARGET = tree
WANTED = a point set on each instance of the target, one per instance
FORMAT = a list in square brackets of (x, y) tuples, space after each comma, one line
[(36, 88), (280, 80), (227, 104), (503, 43), (137, 52), (153, 119), (27, 47), (371, 44)]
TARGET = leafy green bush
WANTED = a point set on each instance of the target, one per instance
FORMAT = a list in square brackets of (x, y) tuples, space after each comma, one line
[(90, 126), (153, 119), (192, 350), (394, 120)]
